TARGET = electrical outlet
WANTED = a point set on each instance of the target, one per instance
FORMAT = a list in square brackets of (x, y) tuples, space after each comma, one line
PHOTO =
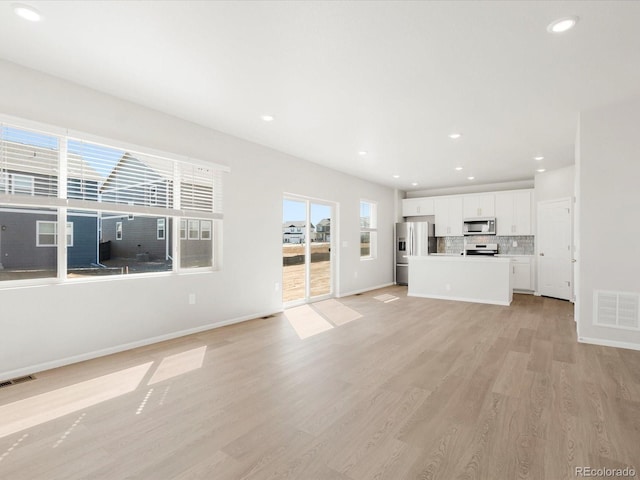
[(355, 274), (277, 286), (192, 299), (447, 287), (515, 243)]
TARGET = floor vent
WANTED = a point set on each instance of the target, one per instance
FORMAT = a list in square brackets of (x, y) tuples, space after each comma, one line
[(617, 310), (16, 381)]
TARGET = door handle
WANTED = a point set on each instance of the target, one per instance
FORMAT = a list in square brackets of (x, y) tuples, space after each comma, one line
[(542, 254), (573, 260)]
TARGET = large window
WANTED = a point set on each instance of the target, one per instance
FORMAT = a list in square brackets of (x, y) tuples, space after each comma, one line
[(368, 229), (116, 205)]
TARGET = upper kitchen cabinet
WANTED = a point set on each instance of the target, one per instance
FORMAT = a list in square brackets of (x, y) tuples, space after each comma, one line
[(513, 212), (413, 207), (482, 205), (448, 212)]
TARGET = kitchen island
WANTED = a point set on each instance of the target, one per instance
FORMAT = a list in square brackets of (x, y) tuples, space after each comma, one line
[(465, 278)]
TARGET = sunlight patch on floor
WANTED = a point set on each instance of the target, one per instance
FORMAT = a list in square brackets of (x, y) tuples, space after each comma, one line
[(386, 298), (178, 364), (32, 411), (306, 321), (336, 312)]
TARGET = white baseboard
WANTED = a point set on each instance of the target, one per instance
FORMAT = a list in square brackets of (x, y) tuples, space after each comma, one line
[(355, 292), (609, 343), (41, 367)]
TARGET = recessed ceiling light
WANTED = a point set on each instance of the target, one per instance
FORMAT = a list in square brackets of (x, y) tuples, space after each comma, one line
[(362, 153), (458, 168), (540, 170), (455, 135), (267, 118), (396, 176), (539, 157), (562, 25), (414, 184), (27, 12), (470, 178)]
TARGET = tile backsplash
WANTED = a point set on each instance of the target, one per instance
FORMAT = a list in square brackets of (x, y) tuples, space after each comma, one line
[(505, 244)]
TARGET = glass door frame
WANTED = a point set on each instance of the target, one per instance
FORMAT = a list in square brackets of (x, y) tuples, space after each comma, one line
[(333, 257)]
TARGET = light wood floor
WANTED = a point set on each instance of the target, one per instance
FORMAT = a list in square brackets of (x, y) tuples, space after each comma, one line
[(402, 389)]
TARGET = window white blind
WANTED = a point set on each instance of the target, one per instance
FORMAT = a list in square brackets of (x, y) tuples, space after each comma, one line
[(200, 189), (111, 175), (97, 173), (28, 162)]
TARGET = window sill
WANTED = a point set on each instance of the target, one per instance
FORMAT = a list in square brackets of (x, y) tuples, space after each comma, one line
[(19, 284)]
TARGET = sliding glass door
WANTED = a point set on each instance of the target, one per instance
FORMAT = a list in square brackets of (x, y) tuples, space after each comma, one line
[(307, 267)]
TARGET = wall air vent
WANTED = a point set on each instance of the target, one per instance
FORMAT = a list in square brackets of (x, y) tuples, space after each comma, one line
[(15, 381), (617, 310)]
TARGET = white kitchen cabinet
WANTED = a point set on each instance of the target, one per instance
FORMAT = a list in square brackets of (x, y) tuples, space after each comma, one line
[(475, 206), (448, 211), (513, 212), (412, 207), (522, 273)]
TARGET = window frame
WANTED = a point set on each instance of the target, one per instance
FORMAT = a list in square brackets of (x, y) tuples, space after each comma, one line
[(209, 230), (4, 183), (163, 229), (189, 237), (21, 177), (372, 229), (54, 234), (183, 229)]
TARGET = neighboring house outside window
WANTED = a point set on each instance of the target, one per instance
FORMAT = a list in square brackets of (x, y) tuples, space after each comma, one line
[(368, 229), (153, 195)]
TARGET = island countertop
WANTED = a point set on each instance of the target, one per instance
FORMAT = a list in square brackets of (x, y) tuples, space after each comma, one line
[(464, 278)]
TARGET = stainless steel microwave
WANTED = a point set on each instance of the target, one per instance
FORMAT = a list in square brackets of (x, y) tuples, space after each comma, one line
[(479, 226)]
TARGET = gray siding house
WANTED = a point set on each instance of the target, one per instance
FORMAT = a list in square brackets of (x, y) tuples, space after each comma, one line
[(137, 238), (323, 230), (27, 234)]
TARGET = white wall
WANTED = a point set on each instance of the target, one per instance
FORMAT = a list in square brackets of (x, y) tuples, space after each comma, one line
[(463, 189), (50, 325), (555, 184), (609, 205)]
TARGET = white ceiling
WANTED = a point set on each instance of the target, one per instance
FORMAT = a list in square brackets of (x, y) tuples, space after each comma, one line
[(391, 78)]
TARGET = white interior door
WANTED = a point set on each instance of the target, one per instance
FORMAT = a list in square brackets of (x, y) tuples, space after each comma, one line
[(555, 267)]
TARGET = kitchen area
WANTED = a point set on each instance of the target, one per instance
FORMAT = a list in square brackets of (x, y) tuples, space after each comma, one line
[(476, 247)]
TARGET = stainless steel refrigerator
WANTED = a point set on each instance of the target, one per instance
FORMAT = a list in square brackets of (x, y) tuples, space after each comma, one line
[(412, 239)]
